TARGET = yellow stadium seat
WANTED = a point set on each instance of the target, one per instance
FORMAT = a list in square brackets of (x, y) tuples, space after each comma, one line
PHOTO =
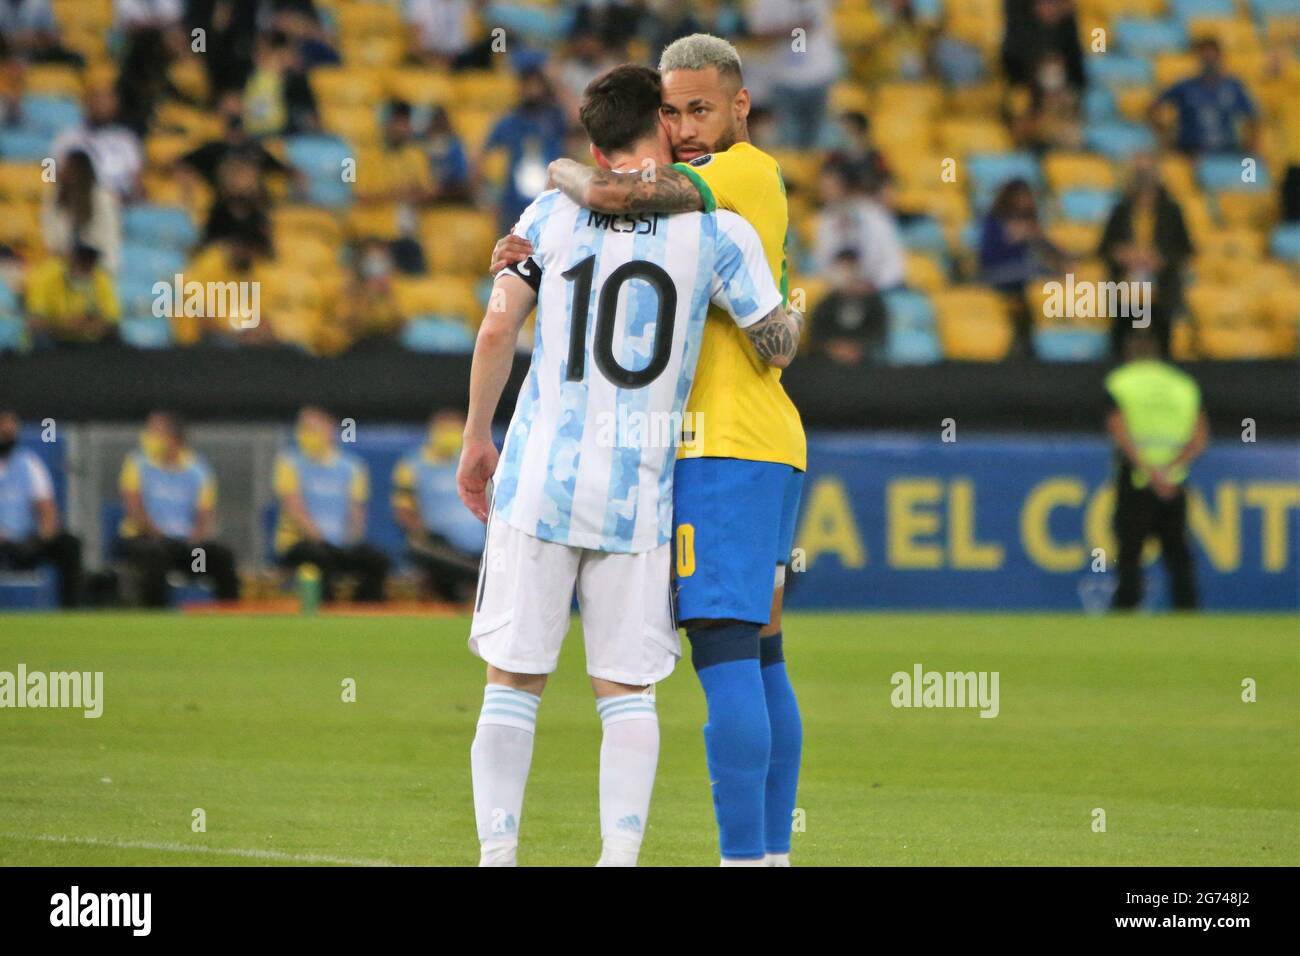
[(20, 226), (977, 100), (419, 86), (458, 239), (916, 170), (902, 133), (1282, 305), (1283, 31), (847, 96), (923, 98), (1172, 67), (1244, 245), (484, 89), (472, 125), (163, 149), (1076, 238), (311, 221), (1133, 103), (1218, 305), (973, 324), (442, 295), (1178, 176), (346, 86), (1078, 171), (1242, 343), (799, 169), (806, 293), (947, 203), (855, 25), (1234, 35), (957, 137), (96, 13), (924, 273), (373, 220), (308, 254), (22, 183), (1250, 210), (358, 125), (198, 124), (53, 80)]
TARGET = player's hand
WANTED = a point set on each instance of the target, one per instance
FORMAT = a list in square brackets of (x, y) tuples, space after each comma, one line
[(509, 250), (478, 462)]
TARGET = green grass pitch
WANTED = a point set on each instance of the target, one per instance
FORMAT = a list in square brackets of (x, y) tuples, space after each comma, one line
[(243, 717)]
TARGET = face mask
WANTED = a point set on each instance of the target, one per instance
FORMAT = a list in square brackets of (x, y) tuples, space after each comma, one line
[(7, 444), (154, 446), (1052, 79), (312, 444), (445, 442), (375, 266)]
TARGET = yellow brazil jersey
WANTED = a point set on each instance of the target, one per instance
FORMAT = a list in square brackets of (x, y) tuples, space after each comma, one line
[(738, 401)]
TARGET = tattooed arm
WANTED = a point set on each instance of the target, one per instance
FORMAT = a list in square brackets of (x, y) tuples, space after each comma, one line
[(603, 190), (775, 337)]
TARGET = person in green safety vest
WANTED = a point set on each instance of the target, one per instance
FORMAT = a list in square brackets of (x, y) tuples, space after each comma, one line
[(1159, 428)]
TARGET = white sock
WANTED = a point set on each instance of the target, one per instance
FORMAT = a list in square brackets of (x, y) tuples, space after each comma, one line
[(499, 760), (777, 859), (629, 753)]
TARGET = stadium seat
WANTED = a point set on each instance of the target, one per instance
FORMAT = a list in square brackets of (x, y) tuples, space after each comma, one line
[(1072, 344), (158, 225), (1223, 305), (1087, 205), (1077, 239), (989, 171), (1219, 172), (346, 86), (1146, 37), (458, 239), (158, 261), (924, 273), (418, 86), (148, 332), (13, 335), (22, 145), (29, 590), (962, 137), (321, 159), (295, 221), (1118, 140), (923, 235), (1078, 171), (1099, 104), (1248, 210), (912, 347), (47, 115), (437, 335), (1185, 10), (1285, 242), (973, 324), (908, 309), (1119, 70), (54, 80)]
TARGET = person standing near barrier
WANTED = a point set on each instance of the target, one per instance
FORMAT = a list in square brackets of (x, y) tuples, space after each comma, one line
[(1159, 428)]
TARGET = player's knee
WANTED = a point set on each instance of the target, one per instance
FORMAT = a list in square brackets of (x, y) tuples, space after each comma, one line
[(532, 683)]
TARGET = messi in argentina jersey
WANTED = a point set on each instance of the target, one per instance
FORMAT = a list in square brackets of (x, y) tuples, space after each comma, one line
[(621, 305)]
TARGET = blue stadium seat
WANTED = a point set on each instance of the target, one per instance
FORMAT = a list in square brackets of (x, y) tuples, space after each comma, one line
[(13, 337), (429, 334), (912, 347), (158, 225), (1147, 37), (9, 305), (47, 115), (1119, 69), (1099, 104), (923, 235), (909, 310), (147, 332), (1285, 242), (989, 171), (321, 159), (24, 145), (1223, 173), (157, 261), (1118, 140), (135, 292), (1186, 9), (1071, 345), (1087, 205), (36, 590), (1266, 9)]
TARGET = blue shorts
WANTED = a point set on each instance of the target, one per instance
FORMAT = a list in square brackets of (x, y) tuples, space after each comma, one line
[(733, 523)]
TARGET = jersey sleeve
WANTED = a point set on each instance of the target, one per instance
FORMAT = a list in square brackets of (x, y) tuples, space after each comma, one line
[(742, 282), (128, 481), (207, 489), (403, 484), (42, 486), (359, 490), (285, 481)]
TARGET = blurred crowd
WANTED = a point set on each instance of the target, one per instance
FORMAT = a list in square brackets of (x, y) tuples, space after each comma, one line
[(354, 160)]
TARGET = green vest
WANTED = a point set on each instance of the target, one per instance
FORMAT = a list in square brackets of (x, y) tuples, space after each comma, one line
[(1160, 405)]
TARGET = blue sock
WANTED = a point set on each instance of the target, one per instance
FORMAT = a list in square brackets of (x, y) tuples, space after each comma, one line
[(737, 739), (787, 745)]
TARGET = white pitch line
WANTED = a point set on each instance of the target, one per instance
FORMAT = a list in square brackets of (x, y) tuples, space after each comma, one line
[(192, 848)]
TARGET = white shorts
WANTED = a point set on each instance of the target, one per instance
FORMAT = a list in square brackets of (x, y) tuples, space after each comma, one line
[(525, 595)]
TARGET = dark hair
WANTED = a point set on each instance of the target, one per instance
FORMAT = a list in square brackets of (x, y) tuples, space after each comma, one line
[(76, 192), (621, 107), (173, 422), (399, 109), (855, 119), (1006, 195)]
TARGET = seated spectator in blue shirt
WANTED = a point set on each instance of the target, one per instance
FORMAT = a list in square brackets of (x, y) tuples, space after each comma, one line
[(29, 519), (170, 497), (533, 133), (443, 539), (1209, 106), (1013, 252), (447, 160)]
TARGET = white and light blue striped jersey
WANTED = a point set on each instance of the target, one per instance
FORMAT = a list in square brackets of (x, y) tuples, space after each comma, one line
[(588, 459)]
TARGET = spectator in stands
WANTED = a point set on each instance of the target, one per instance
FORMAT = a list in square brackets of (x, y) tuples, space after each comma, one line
[(13, 81), (615, 22), (239, 212), (1159, 428), (229, 30), (1036, 28), (443, 539), (802, 68), (277, 97), (143, 81), (533, 133), (79, 209), (1214, 113), (1046, 116), (901, 51), (129, 15), (1014, 251), (851, 220), (231, 260), (849, 324), (369, 310), (858, 157), (30, 533), (71, 300), (441, 31), (323, 494), (398, 174), (169, 495), (300, 22), (585, 58), (113, 148), (205, 160), (448, 163), (1146, 240), (32, 32)]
